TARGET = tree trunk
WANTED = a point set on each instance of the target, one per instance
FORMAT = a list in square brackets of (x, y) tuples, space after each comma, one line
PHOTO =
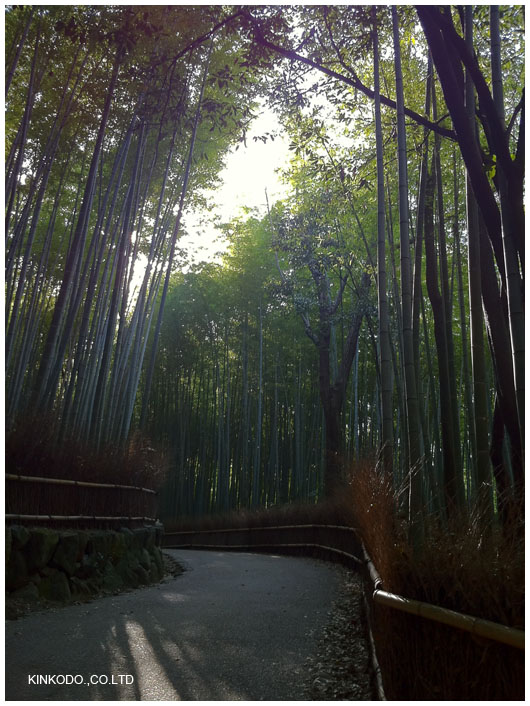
[(413, 418), (456, 476), (21, 43), (466, 370), (384, 325), (478, 359), (512, 223), (450, 466), (176, 230), (46, 385)]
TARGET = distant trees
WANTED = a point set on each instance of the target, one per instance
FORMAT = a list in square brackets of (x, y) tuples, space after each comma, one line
[(235, 390), (268, 373), (307, 239)]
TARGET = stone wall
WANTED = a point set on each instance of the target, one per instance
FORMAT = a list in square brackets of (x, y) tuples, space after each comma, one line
[(64, 565)]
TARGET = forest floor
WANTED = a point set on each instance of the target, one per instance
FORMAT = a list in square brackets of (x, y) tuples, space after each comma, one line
[(231, 627), (341, 669)]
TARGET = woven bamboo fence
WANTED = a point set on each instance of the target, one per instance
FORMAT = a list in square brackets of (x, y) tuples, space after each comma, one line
[(34, 500)]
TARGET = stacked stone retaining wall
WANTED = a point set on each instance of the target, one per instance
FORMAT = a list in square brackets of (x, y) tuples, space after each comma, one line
[(64, 565)]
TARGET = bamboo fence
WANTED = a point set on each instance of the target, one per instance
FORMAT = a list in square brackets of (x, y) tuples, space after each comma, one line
[(31, 499)]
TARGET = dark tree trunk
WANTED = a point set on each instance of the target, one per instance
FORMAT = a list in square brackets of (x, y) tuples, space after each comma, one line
[(500, 472), (332, 394), (451, 493)]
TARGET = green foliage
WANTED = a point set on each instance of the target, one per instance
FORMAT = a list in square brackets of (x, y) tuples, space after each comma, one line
[(236, 380)]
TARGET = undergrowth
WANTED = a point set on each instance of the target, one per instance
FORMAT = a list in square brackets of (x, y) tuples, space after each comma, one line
[(324, 512), (31, 449), (464, 564)]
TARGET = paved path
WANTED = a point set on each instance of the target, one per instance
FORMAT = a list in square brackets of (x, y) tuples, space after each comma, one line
[(232, 627)]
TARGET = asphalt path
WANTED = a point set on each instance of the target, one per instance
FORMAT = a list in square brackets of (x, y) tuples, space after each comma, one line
[(231, 627)]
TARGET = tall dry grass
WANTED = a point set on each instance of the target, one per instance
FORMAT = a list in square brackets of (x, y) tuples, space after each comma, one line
[(463, 564), (31, 450)]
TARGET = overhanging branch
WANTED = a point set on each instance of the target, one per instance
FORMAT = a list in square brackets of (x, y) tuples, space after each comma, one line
[(352, 81)]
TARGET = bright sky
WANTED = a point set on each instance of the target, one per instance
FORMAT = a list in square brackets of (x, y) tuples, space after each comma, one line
[(248, 172)]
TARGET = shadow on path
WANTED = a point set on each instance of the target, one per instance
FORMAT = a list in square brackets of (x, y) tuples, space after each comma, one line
[(232, 627)]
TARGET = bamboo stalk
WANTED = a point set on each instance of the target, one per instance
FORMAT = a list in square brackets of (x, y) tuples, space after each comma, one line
[(477, 626), (82, 483)]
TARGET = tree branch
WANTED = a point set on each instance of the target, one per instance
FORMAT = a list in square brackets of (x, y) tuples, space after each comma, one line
[(352, 340), (353, 82), (338, 298), (204, 37), (486, 103), (309, 331)]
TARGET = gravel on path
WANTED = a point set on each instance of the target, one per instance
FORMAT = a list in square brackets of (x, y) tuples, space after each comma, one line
[(231, 627)]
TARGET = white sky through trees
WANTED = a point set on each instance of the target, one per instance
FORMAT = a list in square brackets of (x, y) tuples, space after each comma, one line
[(248, 172)]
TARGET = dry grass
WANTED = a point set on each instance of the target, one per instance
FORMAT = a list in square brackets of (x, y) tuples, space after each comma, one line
[(31, 451), (463, 565), (325, 512)]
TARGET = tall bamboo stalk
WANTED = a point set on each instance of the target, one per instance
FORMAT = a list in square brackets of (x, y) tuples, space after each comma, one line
[(416, 498), (384, 332), (475, 275)]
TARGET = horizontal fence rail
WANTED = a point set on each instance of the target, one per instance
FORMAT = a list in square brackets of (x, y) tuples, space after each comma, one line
[(330, 541), (81, 483), (476, 626), (75, 518), (344, 542), (58, 500)]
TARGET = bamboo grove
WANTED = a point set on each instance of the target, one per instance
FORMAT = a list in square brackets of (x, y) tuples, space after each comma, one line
[(375, 310)]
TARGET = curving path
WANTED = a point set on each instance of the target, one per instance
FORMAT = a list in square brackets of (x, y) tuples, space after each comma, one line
[(232, 627)]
